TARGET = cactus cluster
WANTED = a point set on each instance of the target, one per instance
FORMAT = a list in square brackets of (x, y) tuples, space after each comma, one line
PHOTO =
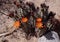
[(34, 21)]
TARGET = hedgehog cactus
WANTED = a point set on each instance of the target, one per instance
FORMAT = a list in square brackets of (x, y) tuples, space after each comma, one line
[(32, 18)]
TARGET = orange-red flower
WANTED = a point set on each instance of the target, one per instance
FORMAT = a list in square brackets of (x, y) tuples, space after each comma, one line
[(39, 25), (24, 19), (17, 24), (39, 19)]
